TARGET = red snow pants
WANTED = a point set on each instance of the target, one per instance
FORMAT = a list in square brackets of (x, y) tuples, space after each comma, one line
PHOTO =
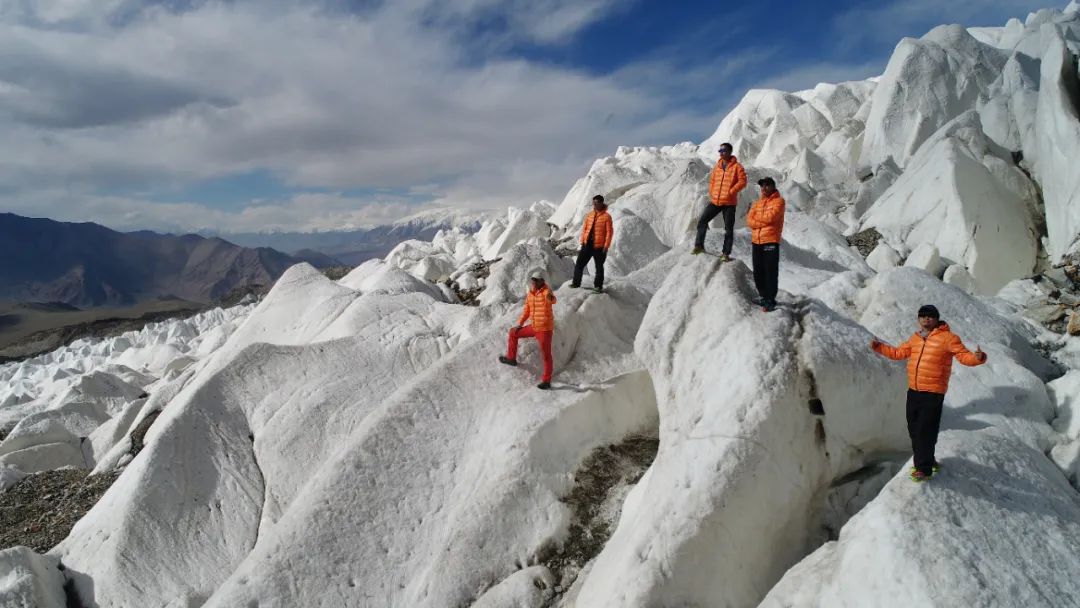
[(543, 337)]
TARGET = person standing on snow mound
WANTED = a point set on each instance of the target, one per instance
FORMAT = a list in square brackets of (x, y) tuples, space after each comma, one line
[(596, 235), (726, 181), (538, 302), (929, 353), (766, 221)]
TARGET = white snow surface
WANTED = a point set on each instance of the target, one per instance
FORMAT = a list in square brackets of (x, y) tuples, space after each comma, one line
[(356, 442), (53, 402), (883, 257), (29, 580), (696, 530), (961, 198), (964, 539), (344, 448)]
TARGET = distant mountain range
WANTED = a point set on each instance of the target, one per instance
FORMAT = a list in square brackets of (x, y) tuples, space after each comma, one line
[(89, 265), (353, 247)]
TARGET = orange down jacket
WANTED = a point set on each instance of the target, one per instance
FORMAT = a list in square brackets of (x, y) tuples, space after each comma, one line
[(725, 183), (930, 359), (766, 219), (538, 308), (604, 229)]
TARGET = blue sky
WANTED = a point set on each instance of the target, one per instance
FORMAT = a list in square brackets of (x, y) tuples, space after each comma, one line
[(289, 115)]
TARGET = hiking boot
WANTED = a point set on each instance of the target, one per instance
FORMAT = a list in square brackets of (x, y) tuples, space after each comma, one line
[(507, 361), (768, 306), (919, 476), (574, 286), (757, 301), (597, 290), (697, 250), (544, 386), (936, 469), (725, 257)]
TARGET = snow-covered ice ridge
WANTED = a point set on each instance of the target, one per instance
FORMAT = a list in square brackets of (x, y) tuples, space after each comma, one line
[(73, 405), (355, 443)]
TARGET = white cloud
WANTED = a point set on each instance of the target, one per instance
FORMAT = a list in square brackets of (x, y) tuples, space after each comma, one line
[(319, 97), (301, 212)]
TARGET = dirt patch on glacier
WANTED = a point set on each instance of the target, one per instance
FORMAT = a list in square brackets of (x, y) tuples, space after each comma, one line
[(600, 488), (40, 509)]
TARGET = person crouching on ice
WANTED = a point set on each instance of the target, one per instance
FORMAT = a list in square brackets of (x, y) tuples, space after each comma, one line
[(929, 353), (538, 304)]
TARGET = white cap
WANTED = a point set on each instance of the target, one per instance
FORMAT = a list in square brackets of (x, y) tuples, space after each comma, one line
[(537, 273)]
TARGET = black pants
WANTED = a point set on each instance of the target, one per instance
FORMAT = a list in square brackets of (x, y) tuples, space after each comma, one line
[(766, 261), (923, 423), (710, 212), (598, 256)]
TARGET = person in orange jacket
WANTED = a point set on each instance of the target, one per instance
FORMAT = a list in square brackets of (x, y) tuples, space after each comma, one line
[(538, 302), (766, 221), (725, 182), (929, 353), (596, 235)]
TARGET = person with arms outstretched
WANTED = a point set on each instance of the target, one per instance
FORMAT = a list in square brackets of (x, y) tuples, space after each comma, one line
[(929, 353), (596, 235), (725, 182), (538, 303)]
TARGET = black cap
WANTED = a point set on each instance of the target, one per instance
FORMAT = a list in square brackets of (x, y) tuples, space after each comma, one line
[(930, 311), (766, 181)]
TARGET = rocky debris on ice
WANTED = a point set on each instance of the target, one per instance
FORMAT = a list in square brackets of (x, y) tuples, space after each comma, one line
[(468, 282), (1051, 298), (601, 486), (39, 510), (866, 241)]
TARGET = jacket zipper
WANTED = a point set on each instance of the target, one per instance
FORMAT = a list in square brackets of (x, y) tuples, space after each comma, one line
[(919, 361), (756, 232)]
